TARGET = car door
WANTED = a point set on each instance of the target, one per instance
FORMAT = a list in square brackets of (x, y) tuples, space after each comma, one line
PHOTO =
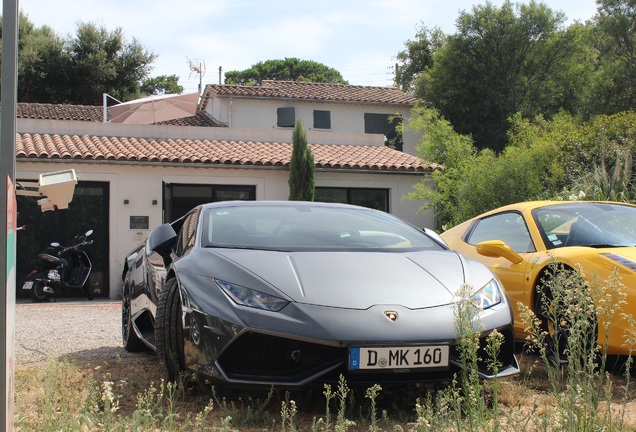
[(510, 228)]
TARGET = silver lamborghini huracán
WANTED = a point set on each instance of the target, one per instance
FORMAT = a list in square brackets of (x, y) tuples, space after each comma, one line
[(289, 293)]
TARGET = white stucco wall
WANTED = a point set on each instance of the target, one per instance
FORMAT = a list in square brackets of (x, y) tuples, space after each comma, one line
[(262, 114), (141, 184)]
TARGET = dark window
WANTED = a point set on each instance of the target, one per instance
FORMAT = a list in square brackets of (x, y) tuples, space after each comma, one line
[(322, 119), (179, 199), (286, 117), (385, 124), (372, 198)]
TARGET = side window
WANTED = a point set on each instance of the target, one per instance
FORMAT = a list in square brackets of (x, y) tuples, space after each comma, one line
[(286, 117), (372, 198), (187, 234), (507, 227), (385, 124), (322, 119)]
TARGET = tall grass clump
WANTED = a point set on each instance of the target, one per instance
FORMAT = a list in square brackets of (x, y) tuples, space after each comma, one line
[(571, 336), (468, 403), (61, 397)]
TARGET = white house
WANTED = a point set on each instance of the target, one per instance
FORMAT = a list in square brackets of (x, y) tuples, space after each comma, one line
[(319, 106), (133, 178)]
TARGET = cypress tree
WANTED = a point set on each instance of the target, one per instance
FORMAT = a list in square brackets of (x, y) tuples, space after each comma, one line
[(301, 167)]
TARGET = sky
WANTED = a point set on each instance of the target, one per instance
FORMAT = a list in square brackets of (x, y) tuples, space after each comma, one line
[(359, 38)]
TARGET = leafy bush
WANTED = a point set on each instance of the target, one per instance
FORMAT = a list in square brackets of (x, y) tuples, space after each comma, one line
[(556, 159)]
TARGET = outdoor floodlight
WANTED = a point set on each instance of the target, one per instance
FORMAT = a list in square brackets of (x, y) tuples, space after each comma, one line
[(58, 187)]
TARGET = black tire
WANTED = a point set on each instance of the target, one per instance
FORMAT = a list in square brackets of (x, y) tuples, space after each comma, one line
[(169, 330), (37, 293), (543, 299), (131, 342), (87, 289)]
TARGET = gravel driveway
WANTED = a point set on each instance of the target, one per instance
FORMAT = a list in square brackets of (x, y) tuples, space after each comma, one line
[(84, 329)]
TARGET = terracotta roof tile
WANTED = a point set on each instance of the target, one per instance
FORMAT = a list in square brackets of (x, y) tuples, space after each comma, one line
[(60, 112), (206, 152), (312, 91), (200, 119), (94, 113)]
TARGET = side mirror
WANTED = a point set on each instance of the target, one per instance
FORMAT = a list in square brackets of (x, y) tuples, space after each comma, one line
[(162, 239), (435, 236), (498, 249)]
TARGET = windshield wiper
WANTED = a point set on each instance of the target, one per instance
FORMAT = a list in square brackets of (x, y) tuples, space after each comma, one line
[(601, 245), (239, 247), (220, 246)]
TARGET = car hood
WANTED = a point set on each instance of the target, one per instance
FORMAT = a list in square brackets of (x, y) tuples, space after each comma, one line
[(623, 255), (358, 280)]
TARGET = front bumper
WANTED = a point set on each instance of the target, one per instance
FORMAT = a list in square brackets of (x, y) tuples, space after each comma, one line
[(279, 352)]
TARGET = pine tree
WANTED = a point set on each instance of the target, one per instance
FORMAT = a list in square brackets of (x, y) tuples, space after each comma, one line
[(301, 167)]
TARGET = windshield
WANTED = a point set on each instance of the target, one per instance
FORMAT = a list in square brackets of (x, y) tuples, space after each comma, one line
[(586, 224), (292, 228)]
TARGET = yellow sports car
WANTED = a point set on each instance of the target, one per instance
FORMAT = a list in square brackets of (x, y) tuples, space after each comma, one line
[(519, 241)]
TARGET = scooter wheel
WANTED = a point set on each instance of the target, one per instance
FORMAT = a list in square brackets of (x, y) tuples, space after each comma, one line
[(38, 294), (88, 289)]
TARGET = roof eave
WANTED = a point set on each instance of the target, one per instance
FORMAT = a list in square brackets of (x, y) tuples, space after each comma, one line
[(67, 161), (306, 100)]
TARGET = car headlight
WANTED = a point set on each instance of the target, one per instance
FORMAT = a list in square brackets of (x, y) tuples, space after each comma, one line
[(252, 298), (488, 296)]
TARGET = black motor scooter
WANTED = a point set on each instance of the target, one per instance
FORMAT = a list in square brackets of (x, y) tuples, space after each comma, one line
[(61, 269)]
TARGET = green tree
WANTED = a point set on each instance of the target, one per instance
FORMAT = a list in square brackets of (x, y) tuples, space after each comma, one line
[(417, 56), (104, 62), (79, 68), (301, 167), (503, 60), (289, 69), (162, 84), (41, 60), (474, 181), (614, 38)]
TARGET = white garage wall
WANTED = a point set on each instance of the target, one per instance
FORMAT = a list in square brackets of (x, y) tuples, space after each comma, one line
[(141, 184)]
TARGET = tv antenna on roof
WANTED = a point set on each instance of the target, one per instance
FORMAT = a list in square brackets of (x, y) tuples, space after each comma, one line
[(197, 66)]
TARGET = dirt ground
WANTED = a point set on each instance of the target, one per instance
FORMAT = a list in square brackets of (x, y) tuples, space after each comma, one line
[(88, 334)]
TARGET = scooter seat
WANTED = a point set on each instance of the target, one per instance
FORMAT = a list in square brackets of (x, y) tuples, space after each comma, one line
[(52, 259)]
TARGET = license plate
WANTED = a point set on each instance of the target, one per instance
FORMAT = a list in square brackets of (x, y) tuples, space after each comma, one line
[(27, 285), (410, 357)]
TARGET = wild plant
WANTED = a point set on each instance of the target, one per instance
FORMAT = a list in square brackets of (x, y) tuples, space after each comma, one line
[(203, 417), (56, 397), (468, 327), (609, 183), (372, 394), (329, 395), (342, 423), (630, 344), (288, 412), (463, 404), (426, 415), (575, 312), (242, 412)]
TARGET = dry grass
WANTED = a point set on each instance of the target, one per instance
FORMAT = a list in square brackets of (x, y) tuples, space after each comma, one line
[(58, 396)]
